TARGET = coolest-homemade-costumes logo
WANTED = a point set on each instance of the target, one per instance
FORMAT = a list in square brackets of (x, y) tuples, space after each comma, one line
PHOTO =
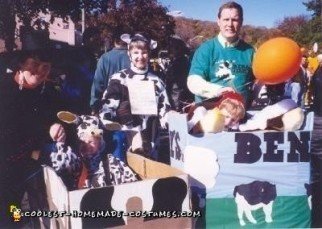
[(16, 213)]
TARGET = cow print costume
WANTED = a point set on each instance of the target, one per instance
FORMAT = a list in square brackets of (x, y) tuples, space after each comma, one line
[(117, 105), (66, 160)]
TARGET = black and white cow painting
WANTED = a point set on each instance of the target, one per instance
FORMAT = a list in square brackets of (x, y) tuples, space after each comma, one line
[(164, 194), (253, 196), (225, 71)]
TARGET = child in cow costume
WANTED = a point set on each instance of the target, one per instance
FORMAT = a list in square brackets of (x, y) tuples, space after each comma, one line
[(89, 165), (139, 120)]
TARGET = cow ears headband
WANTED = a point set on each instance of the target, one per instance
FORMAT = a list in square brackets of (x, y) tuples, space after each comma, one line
[(138, 37)]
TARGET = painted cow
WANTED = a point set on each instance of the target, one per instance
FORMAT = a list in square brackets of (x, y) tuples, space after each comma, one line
[(253, 196)]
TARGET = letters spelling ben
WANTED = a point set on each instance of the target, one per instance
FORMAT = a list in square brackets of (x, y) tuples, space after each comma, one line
[(249, 151), (248, 147)]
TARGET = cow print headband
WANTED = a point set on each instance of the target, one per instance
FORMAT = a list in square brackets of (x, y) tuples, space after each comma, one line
[(138, 37)]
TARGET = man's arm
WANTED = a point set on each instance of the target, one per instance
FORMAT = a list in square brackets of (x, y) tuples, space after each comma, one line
[(200, 87), (200, 67)]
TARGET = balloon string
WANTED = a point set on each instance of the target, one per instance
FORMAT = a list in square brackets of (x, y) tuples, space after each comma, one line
[(243, 85)]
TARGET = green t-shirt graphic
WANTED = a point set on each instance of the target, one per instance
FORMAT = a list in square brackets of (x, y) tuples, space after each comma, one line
[(228, 67)]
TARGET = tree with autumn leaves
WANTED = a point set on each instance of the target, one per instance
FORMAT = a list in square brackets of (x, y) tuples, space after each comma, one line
[(27, 10), (304, 30), (146, 16), (150, 17)]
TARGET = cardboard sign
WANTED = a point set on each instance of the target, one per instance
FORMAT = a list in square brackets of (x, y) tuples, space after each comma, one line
[(142, 98)]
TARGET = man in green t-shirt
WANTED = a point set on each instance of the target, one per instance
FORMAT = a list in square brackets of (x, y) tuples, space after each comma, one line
[(223, 63)]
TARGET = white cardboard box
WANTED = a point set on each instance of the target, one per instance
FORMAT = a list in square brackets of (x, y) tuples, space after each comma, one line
[(162, 189)]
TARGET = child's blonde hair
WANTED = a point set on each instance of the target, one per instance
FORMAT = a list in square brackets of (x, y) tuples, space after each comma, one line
[(140, 44), (234, 107)]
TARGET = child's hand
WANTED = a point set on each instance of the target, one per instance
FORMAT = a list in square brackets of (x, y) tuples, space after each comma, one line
[(57, 133)]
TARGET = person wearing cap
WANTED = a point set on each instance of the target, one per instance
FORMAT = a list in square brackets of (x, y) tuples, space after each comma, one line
[(224, 62), (136, 98), (29, 103)]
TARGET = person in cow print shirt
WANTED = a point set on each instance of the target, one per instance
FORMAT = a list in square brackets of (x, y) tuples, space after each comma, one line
[(117, 106), (88, 164), (29, 102)]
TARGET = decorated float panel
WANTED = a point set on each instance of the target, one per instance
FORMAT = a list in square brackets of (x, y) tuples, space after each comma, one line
[(152, 202), (255, 179)]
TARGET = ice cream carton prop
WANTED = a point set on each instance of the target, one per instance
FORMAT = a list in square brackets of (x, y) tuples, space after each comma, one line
[(161, 198), (250, 179)]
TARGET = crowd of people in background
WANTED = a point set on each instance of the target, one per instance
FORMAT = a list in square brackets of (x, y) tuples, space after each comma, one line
[(123, 79)]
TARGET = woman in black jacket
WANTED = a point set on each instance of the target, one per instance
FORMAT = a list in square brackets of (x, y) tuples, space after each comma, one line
[(28, 104)]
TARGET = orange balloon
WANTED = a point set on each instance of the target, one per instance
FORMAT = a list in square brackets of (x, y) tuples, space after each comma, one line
[(277, 60)]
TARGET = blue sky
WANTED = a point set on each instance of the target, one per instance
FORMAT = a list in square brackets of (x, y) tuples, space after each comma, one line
[(256, 12)]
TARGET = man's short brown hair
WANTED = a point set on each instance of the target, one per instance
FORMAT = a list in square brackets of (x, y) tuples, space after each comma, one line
[(231, 5)]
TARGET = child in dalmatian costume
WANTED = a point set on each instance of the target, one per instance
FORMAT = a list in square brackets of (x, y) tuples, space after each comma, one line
[(89, 165), (117, 103)]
